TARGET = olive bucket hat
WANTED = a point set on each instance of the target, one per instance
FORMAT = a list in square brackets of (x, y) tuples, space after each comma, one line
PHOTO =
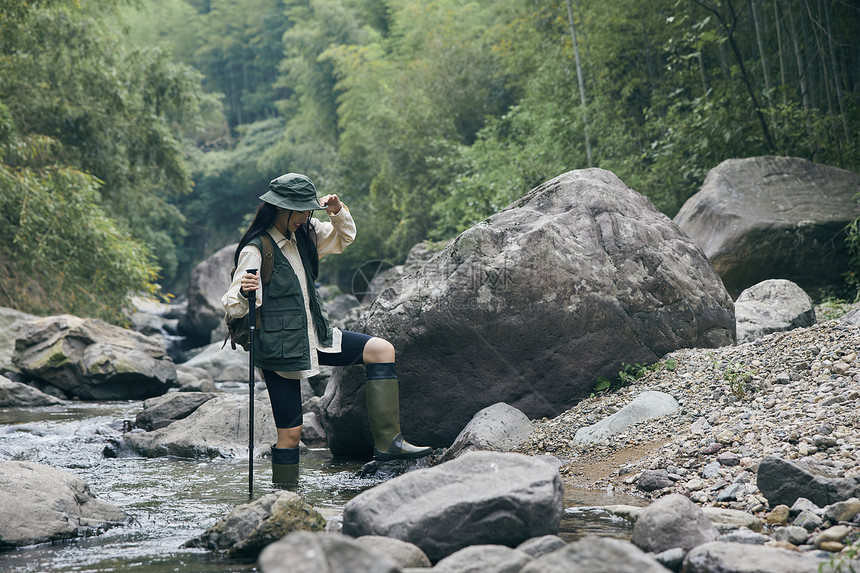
[(292, 191)]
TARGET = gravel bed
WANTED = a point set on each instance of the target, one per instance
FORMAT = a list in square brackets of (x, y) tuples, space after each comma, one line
[(793, 394)]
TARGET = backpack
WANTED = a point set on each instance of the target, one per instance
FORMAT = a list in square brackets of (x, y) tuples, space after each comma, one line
[(239, 329)]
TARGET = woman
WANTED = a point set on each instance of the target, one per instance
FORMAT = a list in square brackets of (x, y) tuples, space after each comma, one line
[(295, 337)]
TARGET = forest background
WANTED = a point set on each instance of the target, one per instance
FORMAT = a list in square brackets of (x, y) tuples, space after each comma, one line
[(135, 137)]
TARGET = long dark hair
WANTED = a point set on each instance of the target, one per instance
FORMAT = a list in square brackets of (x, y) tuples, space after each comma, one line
[(306, 236)]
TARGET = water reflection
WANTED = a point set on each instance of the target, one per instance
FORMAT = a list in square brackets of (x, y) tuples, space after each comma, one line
[(172, 500)]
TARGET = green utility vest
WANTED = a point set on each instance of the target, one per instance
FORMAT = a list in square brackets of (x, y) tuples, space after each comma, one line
[(282, 342)]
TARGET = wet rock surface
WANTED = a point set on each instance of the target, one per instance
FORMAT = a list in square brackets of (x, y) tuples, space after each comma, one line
[(217, 428), (252, 526), (16, 394), (162, 411), (93, 360), (42, 504)]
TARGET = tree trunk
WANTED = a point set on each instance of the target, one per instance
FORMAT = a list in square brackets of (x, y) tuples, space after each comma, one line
[(780, 49), (730, 36), (702, 76), (834, 64), (759, 36), (581, 84)]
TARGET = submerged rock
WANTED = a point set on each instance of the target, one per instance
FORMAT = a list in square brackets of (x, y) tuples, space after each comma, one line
[(252, 526), (42, 504), (531, 306), (162, 411), (479, 498), (218, 428), (17, 395), (94, 360)]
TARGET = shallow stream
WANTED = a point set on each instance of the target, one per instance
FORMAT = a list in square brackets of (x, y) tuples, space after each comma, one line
[(172, 500)]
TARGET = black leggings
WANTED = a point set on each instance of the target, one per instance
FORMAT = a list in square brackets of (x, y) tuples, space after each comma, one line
[(286, 394)]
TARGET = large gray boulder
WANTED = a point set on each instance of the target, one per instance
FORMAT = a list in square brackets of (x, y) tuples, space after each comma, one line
[(42, 504), (530, 306), (773, 217), (252, 526), (208, 282), (303, 552), (774, 305), (784, 481), (672, 521), (595, 555), (11, 321), (17, 395), (218, 428), (479, 498), (93, 360), (722, 557)]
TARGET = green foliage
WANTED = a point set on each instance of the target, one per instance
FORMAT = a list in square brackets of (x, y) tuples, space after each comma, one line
[(737, 375), (55, 230), (628, 374), (92, 156), (844, 561), (425, 116), (236, 45)]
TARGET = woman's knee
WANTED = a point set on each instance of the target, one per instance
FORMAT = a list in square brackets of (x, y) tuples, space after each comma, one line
[(289, 437), (378, 350)]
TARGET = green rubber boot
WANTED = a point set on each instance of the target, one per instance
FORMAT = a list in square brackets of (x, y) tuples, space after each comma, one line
[(383, 410), (285, 465)]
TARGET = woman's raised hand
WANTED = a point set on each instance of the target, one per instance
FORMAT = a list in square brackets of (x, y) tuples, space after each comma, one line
[(332, 204)]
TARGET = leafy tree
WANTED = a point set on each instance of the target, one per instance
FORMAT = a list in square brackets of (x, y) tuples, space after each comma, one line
[(92, 140)]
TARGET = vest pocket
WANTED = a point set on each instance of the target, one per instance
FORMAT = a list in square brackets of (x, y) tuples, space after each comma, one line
[(284, 336)]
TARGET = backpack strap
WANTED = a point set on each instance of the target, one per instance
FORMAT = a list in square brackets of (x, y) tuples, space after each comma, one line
[(268, 255)]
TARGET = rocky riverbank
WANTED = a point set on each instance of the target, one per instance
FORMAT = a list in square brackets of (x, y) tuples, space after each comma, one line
[(794, 395)]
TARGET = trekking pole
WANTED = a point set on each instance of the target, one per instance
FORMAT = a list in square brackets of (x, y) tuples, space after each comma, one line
[(252, 328)]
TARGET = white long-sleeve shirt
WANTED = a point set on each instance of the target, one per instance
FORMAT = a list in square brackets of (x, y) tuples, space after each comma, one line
[(333, 237)]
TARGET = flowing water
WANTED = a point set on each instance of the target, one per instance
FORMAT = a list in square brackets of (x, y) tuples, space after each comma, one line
[(172, 500)]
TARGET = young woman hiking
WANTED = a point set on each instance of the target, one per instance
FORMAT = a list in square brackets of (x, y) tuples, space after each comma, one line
[(294, 337)]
